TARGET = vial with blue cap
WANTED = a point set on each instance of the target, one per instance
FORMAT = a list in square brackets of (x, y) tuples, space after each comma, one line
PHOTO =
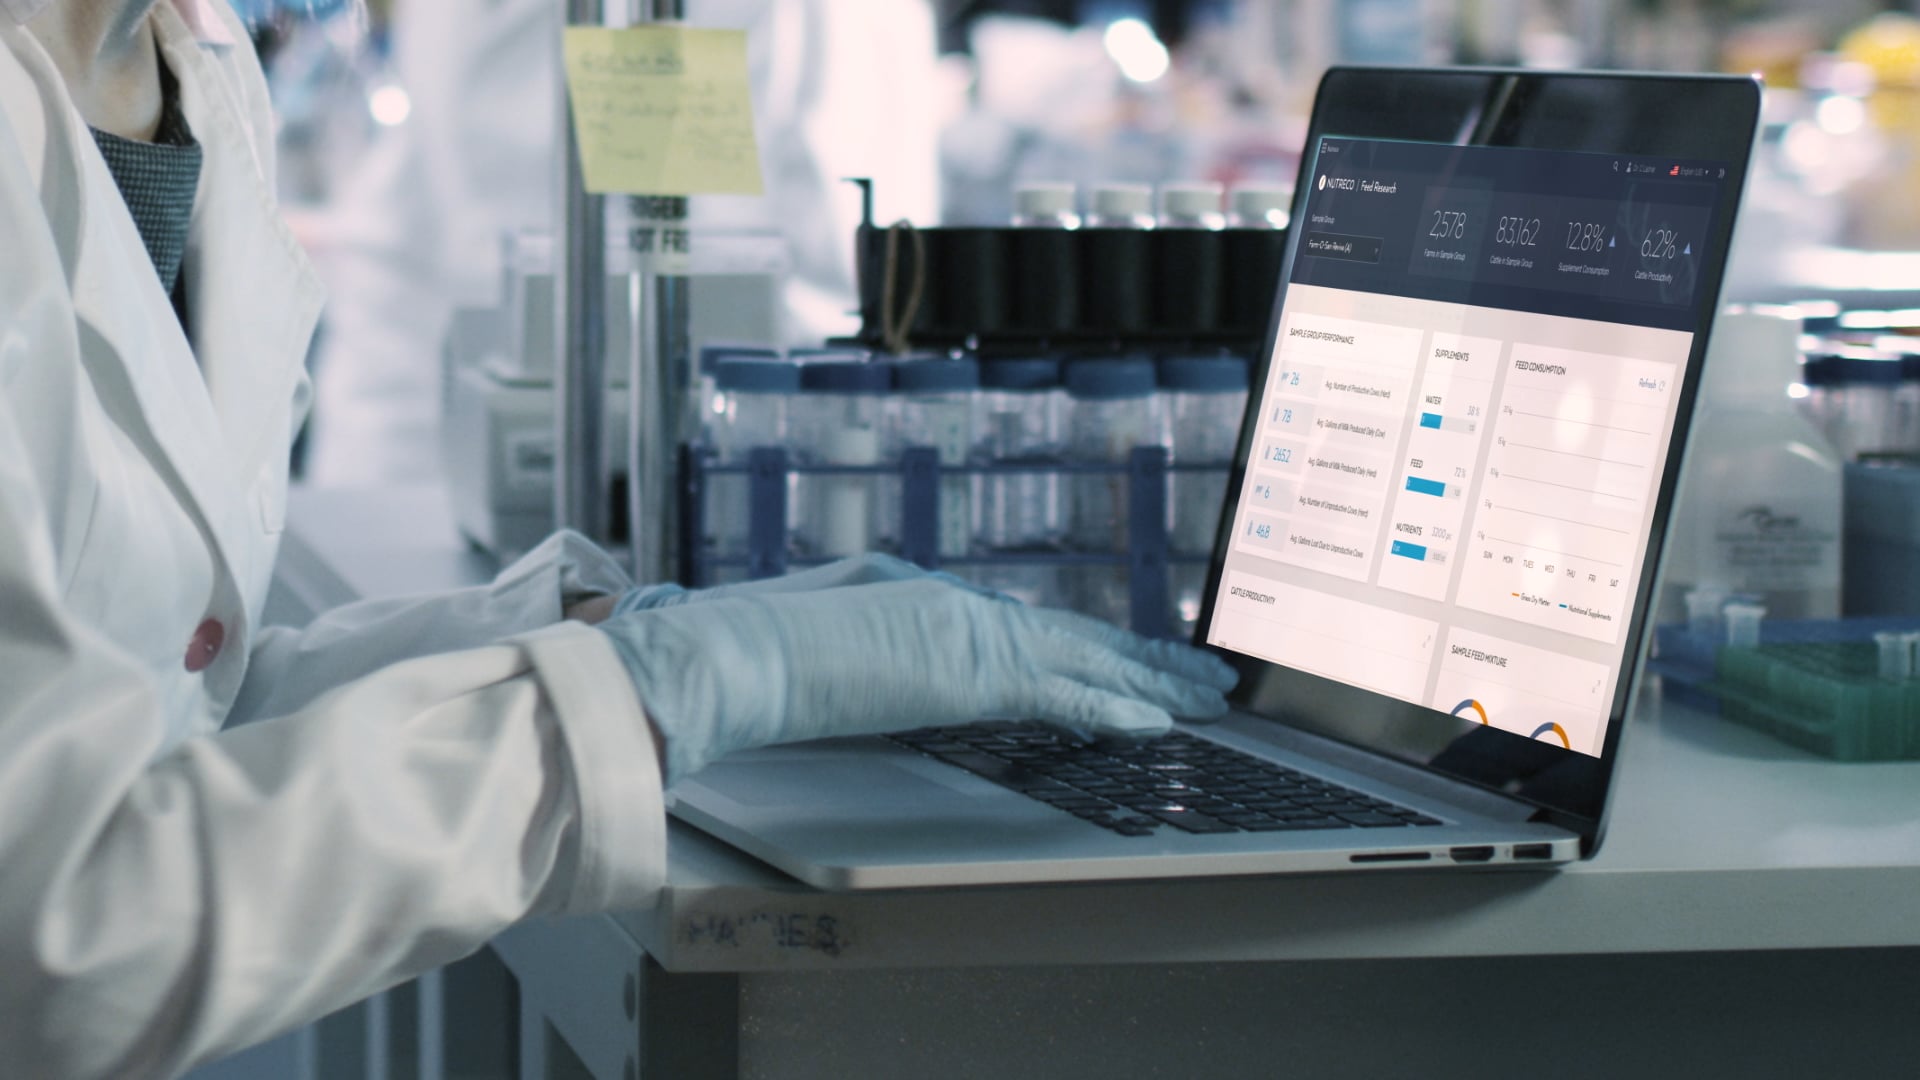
[(1205, 396), (1114, 406), (936, 404), (1020, 510), (751, 406), (840, 419)]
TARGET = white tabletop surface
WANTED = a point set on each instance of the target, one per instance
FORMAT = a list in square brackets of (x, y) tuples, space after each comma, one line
[(1720, 838)]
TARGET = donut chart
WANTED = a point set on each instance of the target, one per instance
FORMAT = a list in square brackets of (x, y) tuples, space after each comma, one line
[(1473, 704), (1556, 731)]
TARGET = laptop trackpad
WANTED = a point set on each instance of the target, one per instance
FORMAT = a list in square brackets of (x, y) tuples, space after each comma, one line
[(821, 782)]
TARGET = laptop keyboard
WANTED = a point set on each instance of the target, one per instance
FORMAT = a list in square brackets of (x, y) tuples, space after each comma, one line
[(1189, 783)]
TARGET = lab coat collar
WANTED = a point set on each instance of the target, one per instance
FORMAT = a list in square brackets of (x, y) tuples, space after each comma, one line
[(198, 15), (254, 296)]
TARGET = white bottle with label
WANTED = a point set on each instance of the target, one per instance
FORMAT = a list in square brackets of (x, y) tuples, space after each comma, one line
[(1759, 508)]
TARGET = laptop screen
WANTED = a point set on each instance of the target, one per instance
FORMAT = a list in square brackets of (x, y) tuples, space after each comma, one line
[(1468, 408)]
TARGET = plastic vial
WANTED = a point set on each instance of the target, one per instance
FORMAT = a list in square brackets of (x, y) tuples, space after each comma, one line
[(937, 403), (1022, 422), (1896, 655), (1759, 509), (1046, 205), (703, 404), (1114, 407), (1259, 206), (1204, 397), (1706, 618), (1743, 624), (752, 402), (840, 420)]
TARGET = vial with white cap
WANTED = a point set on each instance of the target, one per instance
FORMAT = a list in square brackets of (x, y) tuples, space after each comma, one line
[(1759, 508), (1259, 206), (1120, 206), (1115, 257), (1189, 264), (1045, 253), (1191, 204), (1045, 205), (1256, 246)]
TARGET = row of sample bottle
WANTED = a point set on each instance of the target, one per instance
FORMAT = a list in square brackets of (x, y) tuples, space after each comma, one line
[(1030, 415), (1190, 261)]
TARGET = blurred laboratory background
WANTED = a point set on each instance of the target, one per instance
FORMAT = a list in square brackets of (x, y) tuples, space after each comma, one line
[(996, 308)]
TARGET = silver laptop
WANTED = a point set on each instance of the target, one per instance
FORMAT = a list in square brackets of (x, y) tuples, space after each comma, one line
[(1437, 555)]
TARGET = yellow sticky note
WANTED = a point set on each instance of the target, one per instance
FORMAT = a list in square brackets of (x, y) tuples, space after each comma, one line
[(662, 110)]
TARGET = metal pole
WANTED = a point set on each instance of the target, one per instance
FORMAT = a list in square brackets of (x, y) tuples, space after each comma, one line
[(658, 381), (580, 314)]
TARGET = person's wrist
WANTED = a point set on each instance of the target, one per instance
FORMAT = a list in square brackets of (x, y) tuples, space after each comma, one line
[(593, 610)]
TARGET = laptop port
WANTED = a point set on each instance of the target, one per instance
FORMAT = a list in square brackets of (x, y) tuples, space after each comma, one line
[(1533, 851), (1476, 853), (1391, 856)]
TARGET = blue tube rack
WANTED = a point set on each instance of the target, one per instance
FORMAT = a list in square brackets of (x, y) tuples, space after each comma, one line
[(1147, 556)]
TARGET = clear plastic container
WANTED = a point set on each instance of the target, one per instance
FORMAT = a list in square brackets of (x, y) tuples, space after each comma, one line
[(937, 404), (1114, 407), (1204, 398), (703, 404), (840, 418), (1045, 205), (751, 406), (1759, 508), (1023, 412)]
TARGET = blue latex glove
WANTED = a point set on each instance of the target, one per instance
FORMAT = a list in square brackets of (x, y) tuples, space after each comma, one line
[(869, 569), (745, 671)]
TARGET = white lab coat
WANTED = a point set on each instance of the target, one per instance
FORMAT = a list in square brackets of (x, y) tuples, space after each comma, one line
[(171, 891)]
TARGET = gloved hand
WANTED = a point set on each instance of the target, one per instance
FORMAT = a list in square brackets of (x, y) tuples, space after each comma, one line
[(753, 670), (869, 569)]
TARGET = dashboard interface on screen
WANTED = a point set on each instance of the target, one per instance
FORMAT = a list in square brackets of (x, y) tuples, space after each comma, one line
[(1467, 412)]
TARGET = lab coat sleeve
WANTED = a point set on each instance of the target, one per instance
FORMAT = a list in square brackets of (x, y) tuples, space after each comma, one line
[(160, 908), (289, 668)]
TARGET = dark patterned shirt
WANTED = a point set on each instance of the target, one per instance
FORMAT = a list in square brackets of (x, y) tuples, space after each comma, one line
[(158, 180)]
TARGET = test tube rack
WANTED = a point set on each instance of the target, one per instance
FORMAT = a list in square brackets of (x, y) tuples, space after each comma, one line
[(1813, 683), (1147, 556)]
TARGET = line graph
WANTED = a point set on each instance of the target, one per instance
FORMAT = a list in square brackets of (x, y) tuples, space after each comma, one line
[(1561, 514)]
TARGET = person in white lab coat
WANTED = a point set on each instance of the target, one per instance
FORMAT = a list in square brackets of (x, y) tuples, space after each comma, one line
[(177, 881), (840, 88)]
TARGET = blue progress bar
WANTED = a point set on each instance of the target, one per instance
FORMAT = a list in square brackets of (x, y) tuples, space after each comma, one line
[(1425, 487), (1430, 419), (1416, 552)]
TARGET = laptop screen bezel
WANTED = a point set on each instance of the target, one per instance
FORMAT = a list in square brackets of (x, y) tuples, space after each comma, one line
[(1681, 117)]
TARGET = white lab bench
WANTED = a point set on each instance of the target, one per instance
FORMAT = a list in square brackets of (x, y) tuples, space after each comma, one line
[(1754, 911)]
